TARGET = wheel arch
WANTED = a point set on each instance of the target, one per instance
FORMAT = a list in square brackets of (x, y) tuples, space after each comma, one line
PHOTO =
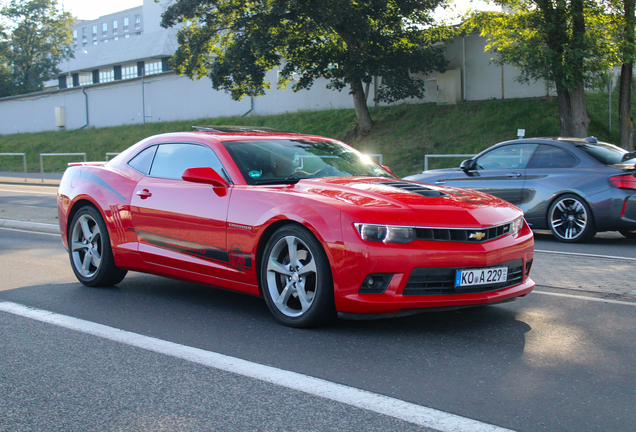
[(269, 232), (77, 206)]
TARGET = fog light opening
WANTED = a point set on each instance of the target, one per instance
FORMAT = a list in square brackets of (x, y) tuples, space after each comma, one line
[(375, 283)]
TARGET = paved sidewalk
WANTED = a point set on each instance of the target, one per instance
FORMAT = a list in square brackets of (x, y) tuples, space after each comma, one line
[(31, 178)]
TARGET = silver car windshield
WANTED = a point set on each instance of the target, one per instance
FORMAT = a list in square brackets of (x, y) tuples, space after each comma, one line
[(288, 160)]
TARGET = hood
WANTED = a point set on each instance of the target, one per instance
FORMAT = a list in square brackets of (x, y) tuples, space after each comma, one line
[(392, 201)]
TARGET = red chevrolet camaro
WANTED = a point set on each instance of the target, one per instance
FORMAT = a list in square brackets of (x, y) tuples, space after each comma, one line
[(308, 223)]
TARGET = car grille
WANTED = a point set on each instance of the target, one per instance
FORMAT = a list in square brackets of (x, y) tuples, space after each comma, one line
[(435, 281), (462, 235)]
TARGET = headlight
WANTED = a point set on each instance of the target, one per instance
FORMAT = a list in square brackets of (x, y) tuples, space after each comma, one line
[(386, 233), (516, 225)]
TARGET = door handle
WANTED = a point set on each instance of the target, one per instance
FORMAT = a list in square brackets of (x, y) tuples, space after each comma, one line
[(513, 175), (144, 193)]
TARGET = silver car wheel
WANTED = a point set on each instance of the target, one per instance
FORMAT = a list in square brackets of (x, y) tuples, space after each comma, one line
[(569, 218), (291, 276), (86, 246)]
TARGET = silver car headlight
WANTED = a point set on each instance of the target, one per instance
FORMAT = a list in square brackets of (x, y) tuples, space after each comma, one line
[(386, 233), (516, 226)]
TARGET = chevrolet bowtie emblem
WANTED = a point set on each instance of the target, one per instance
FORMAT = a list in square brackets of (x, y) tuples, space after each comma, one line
[(477, 235)]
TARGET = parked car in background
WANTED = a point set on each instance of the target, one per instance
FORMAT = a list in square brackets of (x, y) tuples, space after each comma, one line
[(574, 187), (308, 223)]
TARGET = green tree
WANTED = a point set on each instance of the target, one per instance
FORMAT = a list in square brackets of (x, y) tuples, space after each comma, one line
[(624, 23), (563, 42), (36, 39), (348, 42)]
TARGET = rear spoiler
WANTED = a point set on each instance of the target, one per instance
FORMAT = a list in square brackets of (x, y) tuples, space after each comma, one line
[(74, 164)]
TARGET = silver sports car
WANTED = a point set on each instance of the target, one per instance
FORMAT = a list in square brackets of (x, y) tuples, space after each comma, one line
[(575, 187)]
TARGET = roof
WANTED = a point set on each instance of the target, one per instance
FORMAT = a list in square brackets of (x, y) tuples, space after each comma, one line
[(162, 43)]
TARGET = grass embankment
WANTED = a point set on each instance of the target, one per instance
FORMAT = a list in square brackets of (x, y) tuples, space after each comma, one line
[(402, 134)]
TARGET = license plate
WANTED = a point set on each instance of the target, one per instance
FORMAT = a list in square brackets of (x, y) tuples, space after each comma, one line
[(481, 276)]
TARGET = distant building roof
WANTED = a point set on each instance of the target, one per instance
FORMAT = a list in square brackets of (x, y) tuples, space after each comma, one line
[(158, 44)]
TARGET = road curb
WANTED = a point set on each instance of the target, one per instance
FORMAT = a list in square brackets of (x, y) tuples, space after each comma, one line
[(30, 226)]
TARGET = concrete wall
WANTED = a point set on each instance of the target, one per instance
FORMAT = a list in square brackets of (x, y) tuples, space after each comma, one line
[(481, 78), (167, 97)]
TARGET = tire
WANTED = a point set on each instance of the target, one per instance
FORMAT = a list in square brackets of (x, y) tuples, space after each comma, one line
[(570, 219), (90, 251), (296, 279), (630, 234)]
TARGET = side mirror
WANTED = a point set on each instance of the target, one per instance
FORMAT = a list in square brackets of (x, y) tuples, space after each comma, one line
[(204, 175), (467, 165)]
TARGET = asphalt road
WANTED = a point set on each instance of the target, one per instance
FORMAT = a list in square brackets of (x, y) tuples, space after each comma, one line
[(560, 359), (543, 362)]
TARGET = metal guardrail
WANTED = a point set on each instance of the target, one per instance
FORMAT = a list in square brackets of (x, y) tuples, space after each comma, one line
[(23, 160), (111, 154), (56, 154), (426, 157), (379, 156)]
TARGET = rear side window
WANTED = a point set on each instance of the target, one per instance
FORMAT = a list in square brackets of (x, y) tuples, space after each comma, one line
[(143, 160), (172, 159), (605, 153), (548, 156)]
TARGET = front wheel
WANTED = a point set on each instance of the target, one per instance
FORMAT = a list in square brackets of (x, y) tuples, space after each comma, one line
[(296, 279), (570, 219), (90, 251)]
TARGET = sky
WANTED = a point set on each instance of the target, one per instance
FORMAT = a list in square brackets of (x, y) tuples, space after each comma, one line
[(93, 9)]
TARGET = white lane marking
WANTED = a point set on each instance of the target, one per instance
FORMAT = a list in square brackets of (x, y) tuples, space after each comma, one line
[(406, 411), (578, 297), (587, 255), (30, 232), (28, 192)]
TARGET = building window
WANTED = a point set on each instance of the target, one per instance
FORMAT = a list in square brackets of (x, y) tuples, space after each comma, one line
[(104, 29), (74, 35), (137, 21), (153, 68), (126, 24), (106, 76), (129, 71), (127, 36), (116, 38), (115, 27), (84, 33), (85, 79), (94, 31)]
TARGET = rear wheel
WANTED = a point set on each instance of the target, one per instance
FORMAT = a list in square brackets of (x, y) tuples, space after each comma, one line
[(90, 251), (570, 219), (296, 278)]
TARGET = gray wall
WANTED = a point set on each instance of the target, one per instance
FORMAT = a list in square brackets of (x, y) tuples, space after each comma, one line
[(167, 97)]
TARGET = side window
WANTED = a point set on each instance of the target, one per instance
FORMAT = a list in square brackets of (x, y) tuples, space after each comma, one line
[(172, 159), (548, 156), (514, 156), (143, 160)]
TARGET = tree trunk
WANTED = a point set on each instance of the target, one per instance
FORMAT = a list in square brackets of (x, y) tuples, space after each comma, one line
[(362, 110), (625, 108), (565, 115), (580, 120), (625, 98)]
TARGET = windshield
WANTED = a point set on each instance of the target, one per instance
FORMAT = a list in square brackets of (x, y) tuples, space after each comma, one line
[(288, 160), (608, 154)]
